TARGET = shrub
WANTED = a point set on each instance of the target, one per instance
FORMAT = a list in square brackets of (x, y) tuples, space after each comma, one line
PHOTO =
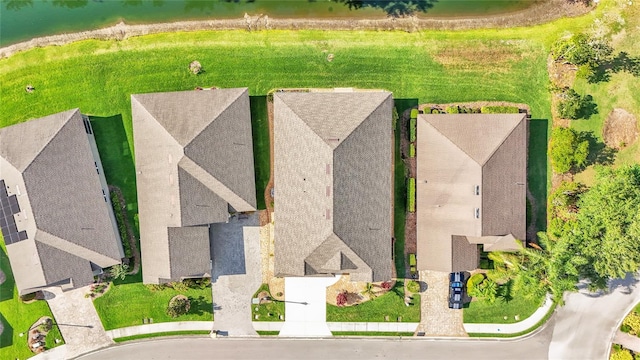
[(122, 228), (452, 110), (178, 286), (412, 150), (574, 106), (625, 328), (119, 271), (195, 67), (386, 285), (341, 299), (633, 322), (435, 111), (568, 150), (414, 113), (411, 195), (178, 305), (412, 129), (413, 286), (622, 354), (499, 110), (155, 287), (394, 116), (28, 297), (473, 283)]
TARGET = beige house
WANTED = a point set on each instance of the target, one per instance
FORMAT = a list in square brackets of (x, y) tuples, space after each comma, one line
[(194, 165), (333, 184), (55, 211), (471, 187)]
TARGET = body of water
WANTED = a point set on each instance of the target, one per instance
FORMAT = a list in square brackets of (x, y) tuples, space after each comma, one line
[(22, 20)]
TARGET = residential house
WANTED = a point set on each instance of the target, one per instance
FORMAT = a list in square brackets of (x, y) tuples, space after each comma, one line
[(194, 166), (56, 216)]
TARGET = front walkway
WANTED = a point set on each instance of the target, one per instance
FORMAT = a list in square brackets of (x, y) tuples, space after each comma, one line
[(77, 320), (630, 342), (306, 306), (436, 318), (236, 273)]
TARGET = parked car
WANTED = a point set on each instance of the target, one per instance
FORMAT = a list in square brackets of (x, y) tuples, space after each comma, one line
[(456, 290)]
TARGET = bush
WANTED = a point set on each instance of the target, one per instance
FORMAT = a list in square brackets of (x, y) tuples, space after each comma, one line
[(574, 106), (178, 305), (568, 150), (473, 283), (411, 195), (178, 286), (28, 297), (633, 322), (155, 287), (622, 354), (413, 286), (386, 285), (412, 129), (341, 299), (122, 228), (412, 150), (452, 110), (394, 117), (435, 111), (499, 110), (625, 328), (414, 113)]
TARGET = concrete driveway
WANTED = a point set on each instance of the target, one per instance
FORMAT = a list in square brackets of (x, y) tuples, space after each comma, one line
[(77, 320), (236, 273), (306, 306)]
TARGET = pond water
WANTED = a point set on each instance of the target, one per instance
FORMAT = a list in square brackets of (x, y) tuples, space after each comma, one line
[(22, 20)]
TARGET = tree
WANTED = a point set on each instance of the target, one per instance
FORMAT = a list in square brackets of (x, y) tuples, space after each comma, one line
[(608, 222), (568, 150), (178, 305), (633, 322), (574, 106), (119, 271), (553, 268), (581, 49), (563, 207), (622, 354), (393, 8)]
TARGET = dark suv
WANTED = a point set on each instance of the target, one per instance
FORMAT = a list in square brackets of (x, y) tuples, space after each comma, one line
[(456, 290)]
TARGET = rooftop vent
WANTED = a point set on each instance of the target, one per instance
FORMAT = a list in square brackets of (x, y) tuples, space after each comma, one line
[(477, 213)]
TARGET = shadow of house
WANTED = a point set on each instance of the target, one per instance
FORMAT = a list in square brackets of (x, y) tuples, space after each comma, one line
[(6, 332), (537, 169)]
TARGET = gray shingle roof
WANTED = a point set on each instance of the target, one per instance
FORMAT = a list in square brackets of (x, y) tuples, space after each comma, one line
[(471, 181), (194, 157), (332, 154), (186, 251), (61, 196)]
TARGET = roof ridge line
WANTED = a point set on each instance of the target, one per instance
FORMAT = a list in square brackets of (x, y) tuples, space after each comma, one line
[(305, 123), (363, 121), (453, 142)]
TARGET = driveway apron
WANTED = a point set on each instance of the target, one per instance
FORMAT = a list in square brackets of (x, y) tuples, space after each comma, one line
[(236, 272), (77, 320), (436, 319)]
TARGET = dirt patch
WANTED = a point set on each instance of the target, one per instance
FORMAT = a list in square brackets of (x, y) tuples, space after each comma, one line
[(620, 129), (356, 293), (475, 54)]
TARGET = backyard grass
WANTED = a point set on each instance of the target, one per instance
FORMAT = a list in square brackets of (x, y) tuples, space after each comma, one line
[(167, 333), (390, 304), (17, 317), (128, 304), (504, 310), (269, 311)]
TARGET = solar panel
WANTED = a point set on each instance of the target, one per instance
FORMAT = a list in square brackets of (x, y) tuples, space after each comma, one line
[(8, 207)]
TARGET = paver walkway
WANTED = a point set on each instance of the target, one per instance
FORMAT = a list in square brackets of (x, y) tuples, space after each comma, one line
[(236, 273), (436, 318), (629, 341), (77, 319), (306, 306)]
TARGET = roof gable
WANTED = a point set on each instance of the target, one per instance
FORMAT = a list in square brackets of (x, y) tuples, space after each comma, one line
[(22, 143), (185, 114), (478, 135)]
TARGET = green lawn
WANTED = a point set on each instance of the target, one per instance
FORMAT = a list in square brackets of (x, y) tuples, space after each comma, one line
[(391, 304), (17, 317), (127, 304), (269, 311), (261, 150), (517, 304)]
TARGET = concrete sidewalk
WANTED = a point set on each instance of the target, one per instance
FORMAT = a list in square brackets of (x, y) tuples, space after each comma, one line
[(160, 327), (512, 328), (346, 326), (628, 341)]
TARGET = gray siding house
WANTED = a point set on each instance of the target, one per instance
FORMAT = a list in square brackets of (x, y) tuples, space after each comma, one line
[(56, 215), (333, 184), (194, 165)]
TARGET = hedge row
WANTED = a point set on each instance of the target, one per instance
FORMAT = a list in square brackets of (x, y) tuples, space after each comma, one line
[(124, 234), (499, 110), (411, 195), (412, 129), (412, 150), (414, 113)]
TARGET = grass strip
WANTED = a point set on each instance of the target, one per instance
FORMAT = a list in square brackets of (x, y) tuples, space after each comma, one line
[(160, 334)]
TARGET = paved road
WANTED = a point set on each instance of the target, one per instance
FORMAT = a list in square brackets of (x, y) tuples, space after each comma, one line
[(582, 329), (587, 323), (327, 349)]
